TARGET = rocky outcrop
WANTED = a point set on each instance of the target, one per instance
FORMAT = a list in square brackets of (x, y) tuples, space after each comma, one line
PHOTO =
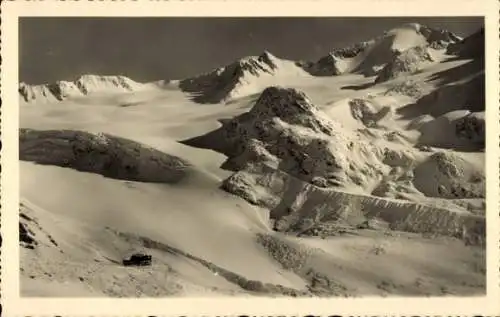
[(365, 112), (460, 130), (325, 66), (103, 154), (448, 175), (438, 38), (408, 88), (31, 233), (26, 238), (334, 62), (405, 63), (472, 127), (285, 130)]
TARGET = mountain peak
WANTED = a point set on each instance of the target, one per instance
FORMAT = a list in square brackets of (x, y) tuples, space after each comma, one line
[(291, 106), (227, 82), (266, 55), (371, 56)]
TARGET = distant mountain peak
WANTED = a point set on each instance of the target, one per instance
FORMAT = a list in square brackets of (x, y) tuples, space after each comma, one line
[(84, 85), (370, 57), (227, 82)]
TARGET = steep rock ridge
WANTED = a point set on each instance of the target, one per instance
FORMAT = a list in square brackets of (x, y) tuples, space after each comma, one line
[(405, 63), (103, 154), (227, 82), (438, 38), (287, 131), (85, 85), (297, 207), (30, 93)]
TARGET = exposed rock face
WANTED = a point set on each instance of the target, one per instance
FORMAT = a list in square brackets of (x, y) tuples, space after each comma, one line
[(350, 51), (85, 85), (26, 237), (333, 63), (223, 83), (292, 107), (364, 111), (437, 37), (31, 233), (408, 62), (100, 153), (325, 66), (398, 158), (285, 130)]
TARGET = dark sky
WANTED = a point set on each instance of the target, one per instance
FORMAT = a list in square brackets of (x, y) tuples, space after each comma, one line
[(147, 49)]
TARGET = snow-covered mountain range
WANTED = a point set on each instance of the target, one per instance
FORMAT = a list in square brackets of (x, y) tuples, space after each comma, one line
[(362, 173), (399, 51)]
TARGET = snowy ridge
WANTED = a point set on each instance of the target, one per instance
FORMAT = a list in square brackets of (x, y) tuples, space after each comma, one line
[(370, 57), (243, 77), (85, 85), (100, 153), (252, 74)]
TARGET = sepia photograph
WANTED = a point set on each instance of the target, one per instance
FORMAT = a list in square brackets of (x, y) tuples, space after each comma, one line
[(252, 156), (271, 157)]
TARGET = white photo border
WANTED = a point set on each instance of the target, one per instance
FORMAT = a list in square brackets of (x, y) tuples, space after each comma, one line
[(14, 305)]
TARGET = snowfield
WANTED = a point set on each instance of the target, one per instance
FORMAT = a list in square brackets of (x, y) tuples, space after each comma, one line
[(361, 174)]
